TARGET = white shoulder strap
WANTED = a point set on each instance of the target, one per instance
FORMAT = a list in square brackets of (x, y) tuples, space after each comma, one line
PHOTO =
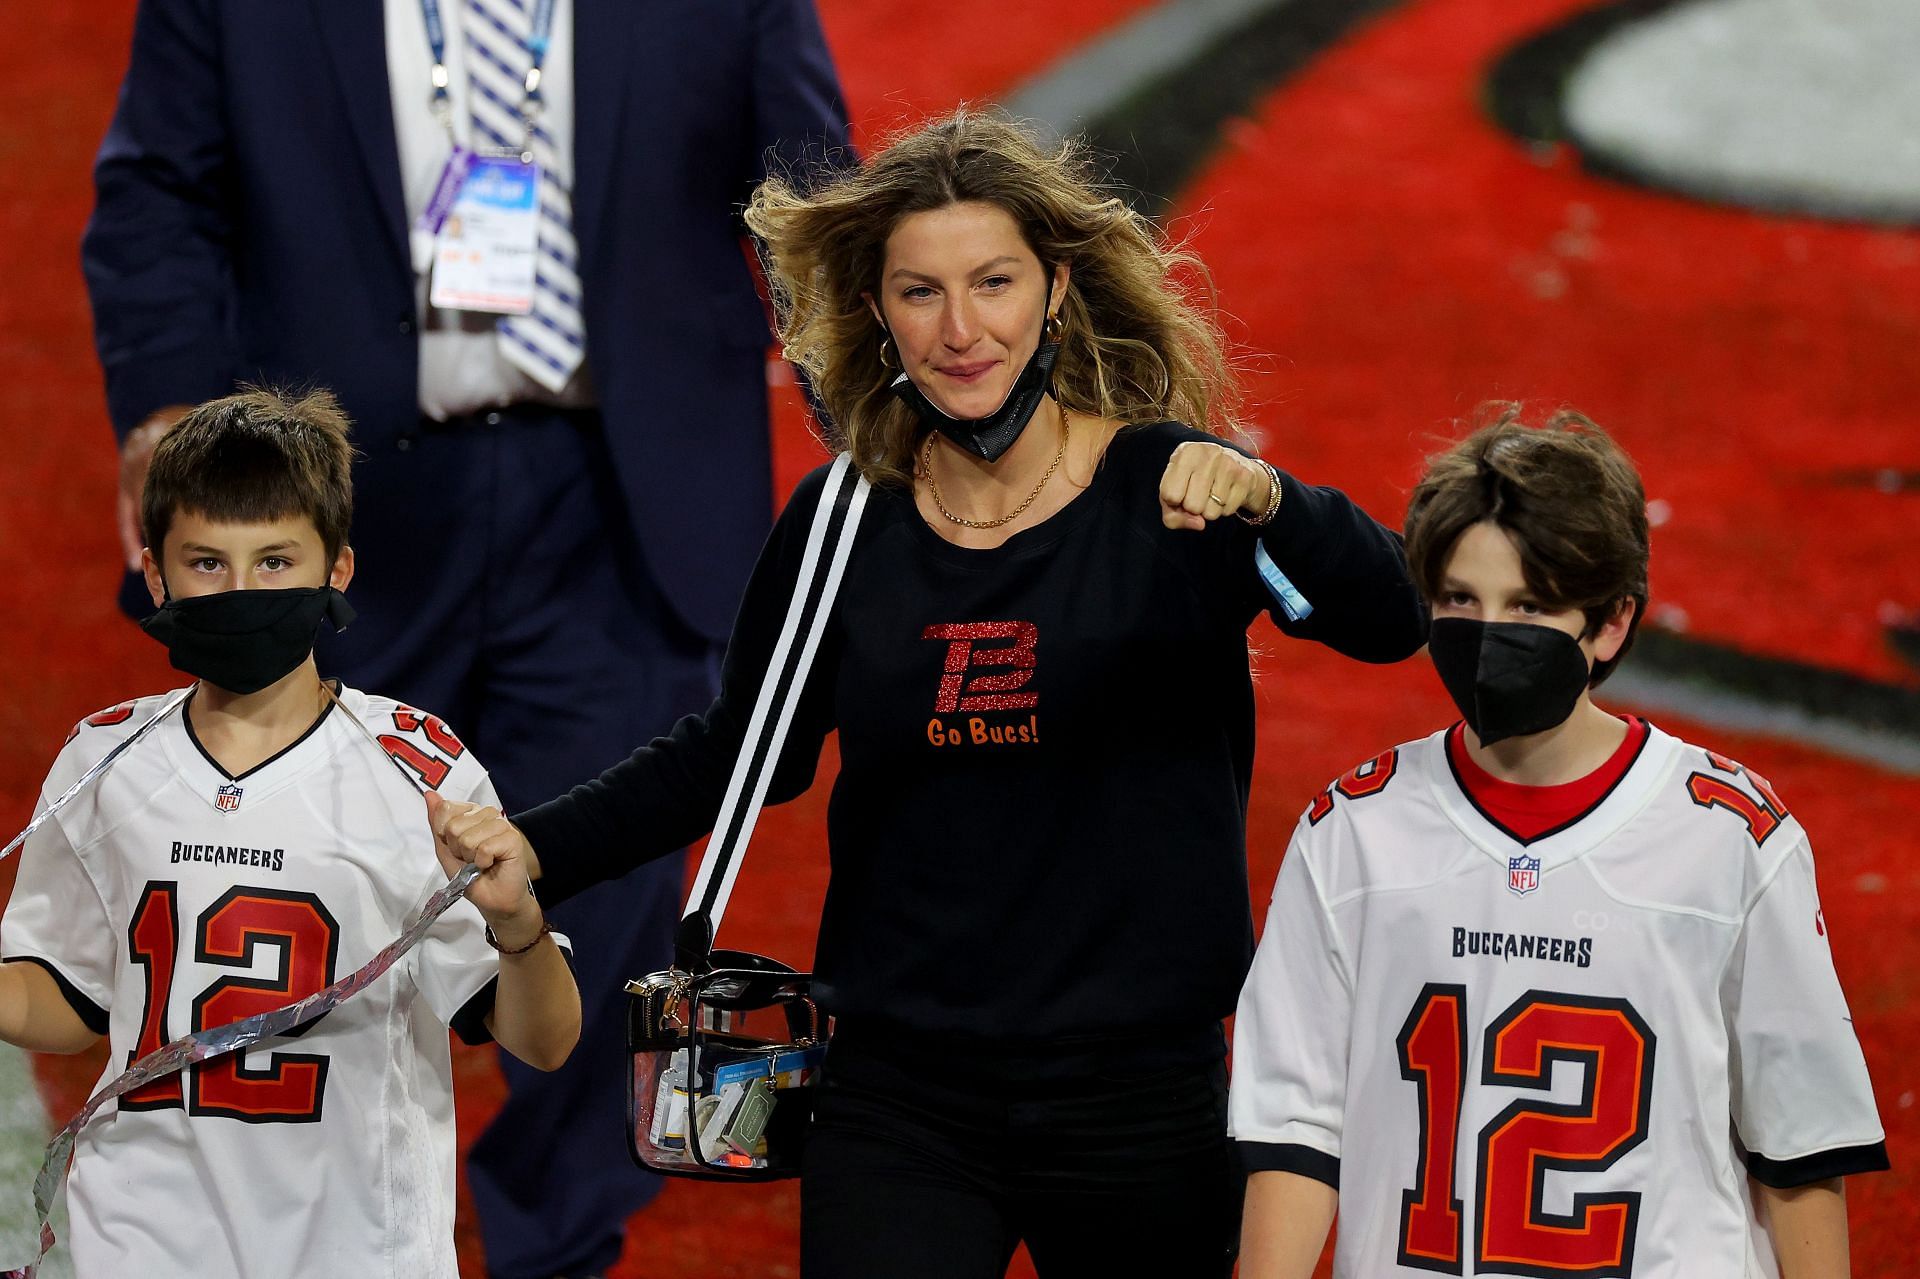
[(829, 541)]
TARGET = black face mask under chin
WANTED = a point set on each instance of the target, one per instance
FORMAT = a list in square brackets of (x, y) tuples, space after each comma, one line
[(242, 641), (988, 437), (1509, 679)]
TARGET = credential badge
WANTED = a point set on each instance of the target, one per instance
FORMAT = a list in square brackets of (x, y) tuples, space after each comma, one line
[(227, 798), (1523, 875)]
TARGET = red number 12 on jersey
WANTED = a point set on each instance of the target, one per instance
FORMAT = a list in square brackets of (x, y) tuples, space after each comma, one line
[(289, 1089), (1513, 1234)]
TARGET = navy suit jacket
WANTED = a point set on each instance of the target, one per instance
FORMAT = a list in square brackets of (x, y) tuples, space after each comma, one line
[(250, 226)]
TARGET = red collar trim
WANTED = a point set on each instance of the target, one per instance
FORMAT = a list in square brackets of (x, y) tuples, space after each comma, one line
[(1528, 813)]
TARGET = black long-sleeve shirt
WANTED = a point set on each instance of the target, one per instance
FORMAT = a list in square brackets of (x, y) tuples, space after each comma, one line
[(1038, 830)]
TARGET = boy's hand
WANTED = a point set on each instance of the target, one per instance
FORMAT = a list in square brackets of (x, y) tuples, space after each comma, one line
[(1204, 481), (481, 835), (136, 454)]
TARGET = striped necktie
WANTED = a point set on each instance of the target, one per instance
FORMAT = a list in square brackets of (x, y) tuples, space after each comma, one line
[(548, 344)]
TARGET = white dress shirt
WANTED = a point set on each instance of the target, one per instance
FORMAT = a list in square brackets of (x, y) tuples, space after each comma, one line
[(461, 367)]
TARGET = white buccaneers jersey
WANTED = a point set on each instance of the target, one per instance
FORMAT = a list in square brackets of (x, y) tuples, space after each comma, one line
[(170, 898), (1558, 1057)]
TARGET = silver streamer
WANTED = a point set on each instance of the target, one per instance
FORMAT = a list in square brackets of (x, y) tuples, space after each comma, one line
[(93, 774)]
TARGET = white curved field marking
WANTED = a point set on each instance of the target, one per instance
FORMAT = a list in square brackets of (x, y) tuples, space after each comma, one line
[(1092, 80), (1811, 104)]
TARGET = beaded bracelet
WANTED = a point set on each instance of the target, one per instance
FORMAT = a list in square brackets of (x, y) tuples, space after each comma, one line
[(546, 926)]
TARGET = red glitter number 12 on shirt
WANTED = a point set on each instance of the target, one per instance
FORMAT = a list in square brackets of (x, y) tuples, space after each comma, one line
[(985, 692)]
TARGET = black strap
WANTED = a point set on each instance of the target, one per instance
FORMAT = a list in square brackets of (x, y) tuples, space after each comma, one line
[(829, 541)]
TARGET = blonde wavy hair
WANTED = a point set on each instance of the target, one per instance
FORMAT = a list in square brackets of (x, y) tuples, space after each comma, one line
[(1139, 341)]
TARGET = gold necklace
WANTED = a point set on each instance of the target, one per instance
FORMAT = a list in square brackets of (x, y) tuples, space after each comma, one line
[(933, 488)]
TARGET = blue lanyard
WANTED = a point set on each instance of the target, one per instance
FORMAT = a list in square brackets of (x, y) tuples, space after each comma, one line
[(538, 41)]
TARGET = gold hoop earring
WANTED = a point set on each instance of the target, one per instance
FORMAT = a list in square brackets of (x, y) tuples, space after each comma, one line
[(1053, 328), (886, 346)]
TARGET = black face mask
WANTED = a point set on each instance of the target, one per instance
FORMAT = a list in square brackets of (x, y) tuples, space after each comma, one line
[(988, 437), (242, 641), (1509, 679)]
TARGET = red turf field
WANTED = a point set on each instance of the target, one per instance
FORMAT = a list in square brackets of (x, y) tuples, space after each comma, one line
[(1396, 260)]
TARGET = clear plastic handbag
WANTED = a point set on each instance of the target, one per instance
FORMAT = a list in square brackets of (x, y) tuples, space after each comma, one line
[(726, 1048), (725, 1063)]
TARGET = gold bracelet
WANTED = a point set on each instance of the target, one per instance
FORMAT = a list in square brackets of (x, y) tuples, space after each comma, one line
[(546, 926), (1274, 494)]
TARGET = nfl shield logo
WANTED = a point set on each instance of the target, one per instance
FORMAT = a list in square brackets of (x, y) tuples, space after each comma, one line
[(1523, 875), (227, 798)]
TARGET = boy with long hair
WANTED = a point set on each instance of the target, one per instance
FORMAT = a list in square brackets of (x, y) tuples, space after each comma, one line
[(1547, 992)]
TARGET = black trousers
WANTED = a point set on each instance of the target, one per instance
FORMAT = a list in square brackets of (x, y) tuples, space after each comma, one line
[(939, 1173)]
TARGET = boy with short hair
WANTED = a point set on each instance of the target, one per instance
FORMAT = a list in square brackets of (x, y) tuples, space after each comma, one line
[(1547, 992), (255, 847)]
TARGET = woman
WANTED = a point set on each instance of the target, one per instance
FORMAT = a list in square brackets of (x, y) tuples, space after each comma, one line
[(1038, 914)]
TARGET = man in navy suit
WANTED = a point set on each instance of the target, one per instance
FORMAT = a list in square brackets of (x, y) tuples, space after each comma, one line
[(558, 499)]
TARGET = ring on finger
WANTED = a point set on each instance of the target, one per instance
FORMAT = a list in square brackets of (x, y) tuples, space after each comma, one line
[(1215, 497)]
